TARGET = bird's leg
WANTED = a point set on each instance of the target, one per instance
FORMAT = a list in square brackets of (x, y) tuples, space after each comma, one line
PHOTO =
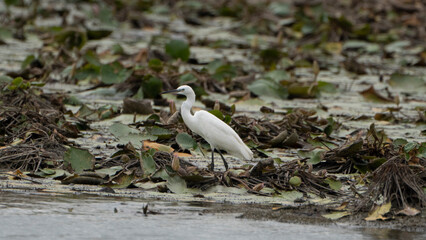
[(212, 164), (224, 161)]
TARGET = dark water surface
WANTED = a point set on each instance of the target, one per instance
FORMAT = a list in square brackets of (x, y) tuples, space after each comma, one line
[(30, 216)]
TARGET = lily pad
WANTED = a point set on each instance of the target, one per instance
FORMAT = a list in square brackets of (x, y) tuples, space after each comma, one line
[(187, 78), (315, 156), (110, 171), (372, 95), (123, 180), (79, 159), (334, 184), (155, 64), (71, 38), (152, 87), (175, 183), (147, 162), (407, 82), (265, 87), (178, 49), (291, 195), (185, 141), (126, 134), (114, 73)]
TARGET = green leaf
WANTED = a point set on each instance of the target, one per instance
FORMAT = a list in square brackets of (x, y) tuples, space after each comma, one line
[(155, 64), (214, 65), (5, 32), (175, 183), (300, 90), (314, 156), (160, 132), (98, 34), (270, 57), (291, 195), (72, 100), (152, 87), (280, 9), (334, 184), (422, 150), (217, 113), (407, 82), (399, 142), (126, 134), (373, 165), (88, 71), (277, 75), (92, 58), (71, 38), (330, 126), (326, 87), (5, 79), (114, 73), (48, 171), (372, 95), (295, 181), (410, 146), (110, 171), (185, 141), (265, 87), (225, 73), (361, 45), (397, 46), (27, 61), (178, 49), (79, 159), (187, 78), (117, 49), (17, 81), (123, 180), (148, 163)]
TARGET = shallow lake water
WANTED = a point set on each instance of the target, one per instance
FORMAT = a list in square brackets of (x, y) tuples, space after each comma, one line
[(38, 216)]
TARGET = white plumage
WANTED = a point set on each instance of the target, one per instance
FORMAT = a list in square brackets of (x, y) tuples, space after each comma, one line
[(217, 133)]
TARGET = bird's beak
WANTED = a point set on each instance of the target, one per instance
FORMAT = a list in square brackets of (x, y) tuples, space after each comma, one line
[(172, 91)]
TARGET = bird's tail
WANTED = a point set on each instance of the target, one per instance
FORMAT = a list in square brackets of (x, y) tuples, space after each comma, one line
[(246, 153)]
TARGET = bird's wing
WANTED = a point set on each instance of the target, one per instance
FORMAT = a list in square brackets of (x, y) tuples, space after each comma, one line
[(220, 134)]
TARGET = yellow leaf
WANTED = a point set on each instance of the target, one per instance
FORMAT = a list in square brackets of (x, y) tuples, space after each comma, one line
[(342, 206), (333, 47), (409, 211), (181, 154), (157, 146), (17, 141), (378, 212), (336, 215), (175, 163), (258, 187)]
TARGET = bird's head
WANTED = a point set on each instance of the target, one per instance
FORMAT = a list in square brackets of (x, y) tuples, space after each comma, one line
[(182, 90)]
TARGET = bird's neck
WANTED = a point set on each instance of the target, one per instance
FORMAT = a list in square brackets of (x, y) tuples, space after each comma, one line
[(186, 110)]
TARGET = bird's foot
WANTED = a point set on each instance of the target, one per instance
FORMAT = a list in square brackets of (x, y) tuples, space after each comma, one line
[(226, 166), (211, 167)]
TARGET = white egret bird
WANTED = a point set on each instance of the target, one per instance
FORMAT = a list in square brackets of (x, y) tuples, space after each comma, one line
[(218, 134)]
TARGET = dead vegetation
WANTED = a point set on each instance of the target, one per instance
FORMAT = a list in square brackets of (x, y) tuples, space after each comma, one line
[(33, 130), (397, 182)]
